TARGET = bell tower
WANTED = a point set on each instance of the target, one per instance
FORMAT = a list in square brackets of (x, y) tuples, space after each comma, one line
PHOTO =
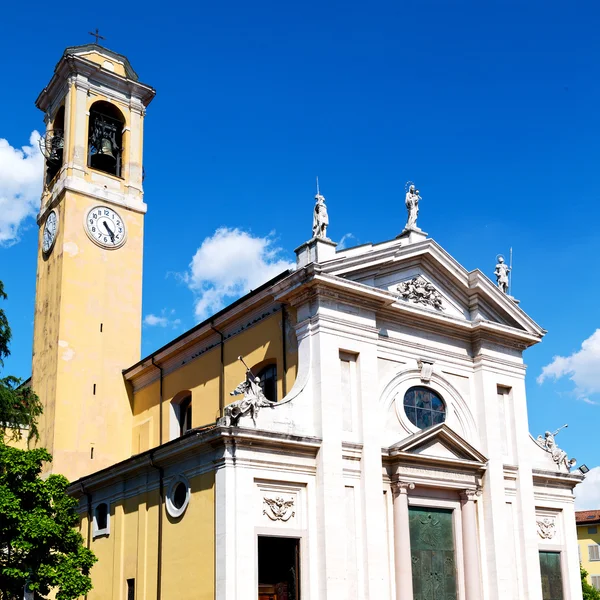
[(89, 276)]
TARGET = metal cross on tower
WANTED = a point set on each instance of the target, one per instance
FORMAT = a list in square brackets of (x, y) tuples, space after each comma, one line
[(97, 35)]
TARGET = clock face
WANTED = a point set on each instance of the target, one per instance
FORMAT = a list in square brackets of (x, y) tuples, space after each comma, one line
[(50, 229), (105, 227)]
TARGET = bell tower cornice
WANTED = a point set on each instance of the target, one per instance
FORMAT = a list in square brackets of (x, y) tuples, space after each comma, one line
[(78, 71)]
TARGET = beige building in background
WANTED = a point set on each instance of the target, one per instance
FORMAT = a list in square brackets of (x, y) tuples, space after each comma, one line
[(378, 447)]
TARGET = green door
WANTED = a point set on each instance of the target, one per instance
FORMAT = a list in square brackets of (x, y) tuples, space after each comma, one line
[(432, 549), (552, 588)]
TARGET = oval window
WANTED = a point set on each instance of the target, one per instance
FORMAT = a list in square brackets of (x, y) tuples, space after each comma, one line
[(178, 496), (423, 407)]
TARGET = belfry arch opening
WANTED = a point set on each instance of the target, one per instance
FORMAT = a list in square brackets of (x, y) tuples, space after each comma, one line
[(105, 138), (55, 142)]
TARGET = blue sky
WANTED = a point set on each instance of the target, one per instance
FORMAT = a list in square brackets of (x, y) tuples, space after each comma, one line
[(491, 107)]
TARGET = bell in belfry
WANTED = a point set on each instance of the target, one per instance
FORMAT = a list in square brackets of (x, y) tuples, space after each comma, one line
[(104, 147), (105, 157), (56, 148)]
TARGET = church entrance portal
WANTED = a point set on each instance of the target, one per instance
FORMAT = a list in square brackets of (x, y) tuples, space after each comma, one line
[(278, 568), (432, 549)]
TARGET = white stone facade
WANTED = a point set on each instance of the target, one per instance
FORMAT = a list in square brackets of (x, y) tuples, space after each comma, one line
[(341, 463)]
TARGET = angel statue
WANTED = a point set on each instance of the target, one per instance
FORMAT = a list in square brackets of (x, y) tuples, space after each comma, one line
[(320, 218), (412, 206), (559, 456), (253, 400)]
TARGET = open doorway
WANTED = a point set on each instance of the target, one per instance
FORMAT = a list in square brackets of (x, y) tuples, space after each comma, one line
[(278, 568)]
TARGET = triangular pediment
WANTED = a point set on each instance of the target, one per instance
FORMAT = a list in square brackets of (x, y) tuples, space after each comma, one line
[(438, 442), (424, 277)]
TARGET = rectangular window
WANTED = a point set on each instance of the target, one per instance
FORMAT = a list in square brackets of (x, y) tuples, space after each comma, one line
[(505, 419), (594, 552), (349, 389), (593, 529), (552, 587), (596, 581), (131, 589)]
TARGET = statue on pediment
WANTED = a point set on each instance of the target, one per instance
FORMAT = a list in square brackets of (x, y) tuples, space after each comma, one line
[(412, 206), (320, 216), (501, 273)]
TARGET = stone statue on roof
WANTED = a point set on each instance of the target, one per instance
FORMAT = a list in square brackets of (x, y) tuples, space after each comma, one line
[(320, 216), (412, 206), (501, 273)]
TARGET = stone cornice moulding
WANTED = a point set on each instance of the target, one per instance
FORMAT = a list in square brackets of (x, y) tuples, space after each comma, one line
[(230, 320), (208, 441), (91, 190), (73, 64), (472, 282), (544, 478), (390, 300)]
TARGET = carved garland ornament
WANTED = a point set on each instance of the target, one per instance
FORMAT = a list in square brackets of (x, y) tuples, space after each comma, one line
[(278, 509), (546, 528), (420, 291)]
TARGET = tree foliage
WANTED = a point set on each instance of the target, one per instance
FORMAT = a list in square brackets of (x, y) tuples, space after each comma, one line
[(19, 405), (589, 592), (39, 544), (38, 540)]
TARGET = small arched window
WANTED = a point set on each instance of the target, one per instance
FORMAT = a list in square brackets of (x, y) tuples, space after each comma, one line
[(268, 382), (101, 519), (185, 415), (181, 414), (105, 138), (423, 407)]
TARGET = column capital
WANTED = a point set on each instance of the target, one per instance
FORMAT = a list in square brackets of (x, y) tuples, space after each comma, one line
[(470, 494), (401, 487)]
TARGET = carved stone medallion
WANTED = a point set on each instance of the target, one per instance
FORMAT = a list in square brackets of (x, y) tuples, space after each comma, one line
[(279, 509), (546, 528), (420, 291)]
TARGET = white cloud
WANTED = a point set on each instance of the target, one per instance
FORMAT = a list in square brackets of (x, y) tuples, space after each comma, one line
[(229, 264), (162, 321), (21, 174), (345, 239), (582, 367), (587, 494)]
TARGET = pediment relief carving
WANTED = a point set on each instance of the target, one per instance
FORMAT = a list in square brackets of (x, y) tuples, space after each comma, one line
[(419, 291)]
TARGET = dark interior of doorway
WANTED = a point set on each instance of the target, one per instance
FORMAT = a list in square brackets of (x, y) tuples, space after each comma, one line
[(278, 568)]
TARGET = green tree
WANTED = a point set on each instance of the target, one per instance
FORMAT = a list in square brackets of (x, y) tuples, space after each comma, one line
[(19, 405), (589, 592), (39, 544)]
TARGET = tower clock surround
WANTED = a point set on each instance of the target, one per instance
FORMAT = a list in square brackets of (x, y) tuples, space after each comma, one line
[(105, 227)]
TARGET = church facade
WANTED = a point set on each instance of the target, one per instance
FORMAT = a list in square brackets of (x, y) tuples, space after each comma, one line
[(353, 429)]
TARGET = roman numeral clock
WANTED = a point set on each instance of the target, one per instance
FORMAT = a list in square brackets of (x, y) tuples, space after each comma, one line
[(105, 227)]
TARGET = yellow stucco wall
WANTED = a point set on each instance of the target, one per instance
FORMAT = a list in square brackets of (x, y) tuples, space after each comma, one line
[(84, 287), (260, 344), (585, 539), (130, 551)]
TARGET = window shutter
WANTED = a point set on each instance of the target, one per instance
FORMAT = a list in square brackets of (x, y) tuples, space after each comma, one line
[(593, 552), (596, 581)]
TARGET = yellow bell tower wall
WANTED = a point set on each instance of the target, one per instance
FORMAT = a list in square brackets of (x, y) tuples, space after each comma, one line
[(89, 290)]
